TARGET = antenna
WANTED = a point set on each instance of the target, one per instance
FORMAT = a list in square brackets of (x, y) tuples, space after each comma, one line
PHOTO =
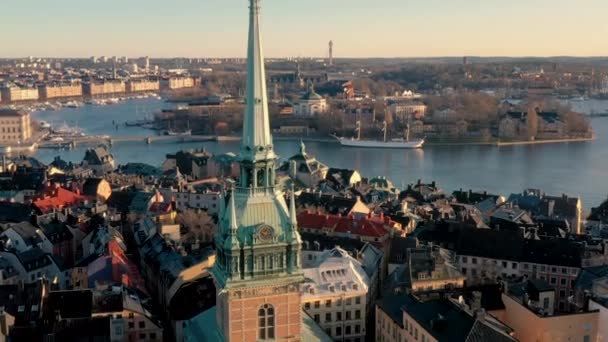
[(331, 53)]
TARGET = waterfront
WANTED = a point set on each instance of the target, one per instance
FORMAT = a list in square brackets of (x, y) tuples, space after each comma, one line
[(572, 168)]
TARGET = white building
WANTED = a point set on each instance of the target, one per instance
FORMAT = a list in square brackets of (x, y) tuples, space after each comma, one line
[(336, 295), (311, 103)]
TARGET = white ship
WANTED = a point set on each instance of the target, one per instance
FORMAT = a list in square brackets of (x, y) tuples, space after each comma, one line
[(393, 143)]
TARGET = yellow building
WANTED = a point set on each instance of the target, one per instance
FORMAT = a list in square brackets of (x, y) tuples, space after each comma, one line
[(179, 82), (15, 126), (54, 91), (15, 94), (134, 86), (103, 87)]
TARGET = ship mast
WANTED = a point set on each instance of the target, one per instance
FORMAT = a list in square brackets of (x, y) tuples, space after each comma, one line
[(358, 129)]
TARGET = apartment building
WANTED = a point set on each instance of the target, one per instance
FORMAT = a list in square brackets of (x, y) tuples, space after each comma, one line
[(15, 126)]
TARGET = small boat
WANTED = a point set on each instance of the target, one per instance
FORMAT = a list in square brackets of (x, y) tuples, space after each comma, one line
[(393, 143), (173, 133), (44, 125)]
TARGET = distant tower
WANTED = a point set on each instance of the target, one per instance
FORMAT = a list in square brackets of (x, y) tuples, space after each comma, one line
[(465, 60), (331, 53)]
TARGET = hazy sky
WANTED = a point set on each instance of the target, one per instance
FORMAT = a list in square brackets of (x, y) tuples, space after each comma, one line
[(359, 28)]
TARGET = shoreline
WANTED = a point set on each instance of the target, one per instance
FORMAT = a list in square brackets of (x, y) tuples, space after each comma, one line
[(440, 144)]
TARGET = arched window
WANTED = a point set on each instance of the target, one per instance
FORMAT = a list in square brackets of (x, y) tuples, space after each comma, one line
[(266, 322)]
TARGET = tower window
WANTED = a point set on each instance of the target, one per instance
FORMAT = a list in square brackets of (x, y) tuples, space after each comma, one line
[(266, 322)]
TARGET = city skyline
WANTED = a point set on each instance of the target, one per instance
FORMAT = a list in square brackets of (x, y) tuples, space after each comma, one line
[(191, 28)]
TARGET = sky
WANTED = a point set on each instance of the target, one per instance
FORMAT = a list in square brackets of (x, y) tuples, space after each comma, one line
[(295, 28)]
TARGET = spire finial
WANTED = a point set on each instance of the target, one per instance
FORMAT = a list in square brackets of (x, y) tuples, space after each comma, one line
[(292, 207), (232, 212), (302, 147)]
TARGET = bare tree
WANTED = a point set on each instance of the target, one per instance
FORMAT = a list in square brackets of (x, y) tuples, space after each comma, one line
[(197, 226)]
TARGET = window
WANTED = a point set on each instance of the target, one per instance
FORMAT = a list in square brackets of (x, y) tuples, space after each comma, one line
[(423, 337), (338, 316), (586, 338), (317, 318), (526, 266), (328, 303), (553, 281), (464, 259), (564, 270), (307, 306), (347, 330), (416, 333), (328, 317), (131, 325), (142, 336), (152, 336), (504, 264), (514, 265), (554, 269), (338, 331), (545, 303), (563, 281), (348, 316), (317, 304), (349, 301), (357, 329), (543, 268), (464, 271), (357, 300), (266, 322), (474, 261), (142, 324), (357, 314), (562, 294)]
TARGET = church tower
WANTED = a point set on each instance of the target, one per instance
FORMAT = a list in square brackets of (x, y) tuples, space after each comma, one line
[(258, 268)]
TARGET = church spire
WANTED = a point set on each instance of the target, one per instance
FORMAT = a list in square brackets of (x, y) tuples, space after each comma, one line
[(257, 138)]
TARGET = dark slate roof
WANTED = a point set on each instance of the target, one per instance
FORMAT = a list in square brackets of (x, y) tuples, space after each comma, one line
[(192, 299), (585, 279), (139, 169), (121, 200), (90, 186), (334, 205), (71, 304), (559, 252), (56, 231), (496, 244), (443, 320), (317, 242), (34, 259), (392, 305), (470, 197), (484, 333), (399, 247), (15, 212)]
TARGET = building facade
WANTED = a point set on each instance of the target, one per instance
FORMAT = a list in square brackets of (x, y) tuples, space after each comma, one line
[(15, 126), (54, 91), (134, 86), (16, 94), (103, 88), (336, 295)]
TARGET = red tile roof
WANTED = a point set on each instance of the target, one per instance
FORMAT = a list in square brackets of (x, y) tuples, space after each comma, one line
[(371, 226), (57, 198)]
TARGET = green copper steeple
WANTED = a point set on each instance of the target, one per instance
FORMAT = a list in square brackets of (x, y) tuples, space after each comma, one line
[(257, 240)]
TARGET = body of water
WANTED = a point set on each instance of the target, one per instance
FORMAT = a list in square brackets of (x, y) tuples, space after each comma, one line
[(577, 169)]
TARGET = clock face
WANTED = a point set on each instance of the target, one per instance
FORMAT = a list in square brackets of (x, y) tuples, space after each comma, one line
[(265, 233)]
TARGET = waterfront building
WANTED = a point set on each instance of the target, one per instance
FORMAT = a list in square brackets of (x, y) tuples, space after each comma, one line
[(15, 126), (177, 82), (142, 85), (306, 168), (105, 87), (337, 294), (403, 111), (311, 103), (16, 94), (54, 91), (99, 160), (258, 270)]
